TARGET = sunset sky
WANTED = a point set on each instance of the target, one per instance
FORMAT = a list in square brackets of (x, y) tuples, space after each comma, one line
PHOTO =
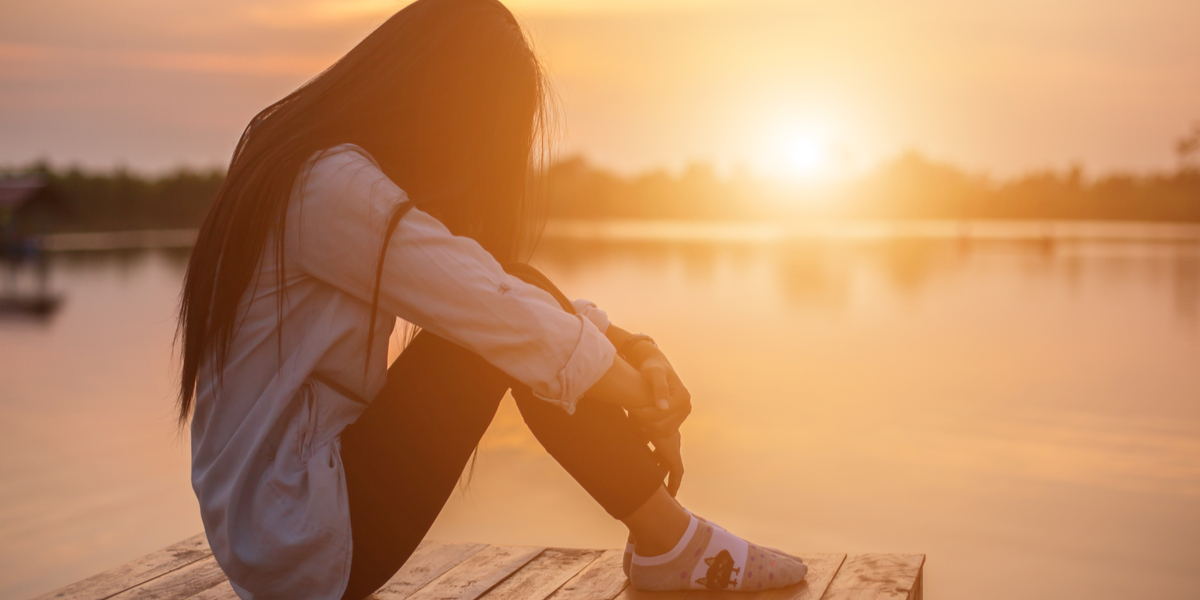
[(797, 89)]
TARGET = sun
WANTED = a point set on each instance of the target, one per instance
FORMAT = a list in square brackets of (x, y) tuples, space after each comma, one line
[(799, 157), (805, 157), (800, 150)]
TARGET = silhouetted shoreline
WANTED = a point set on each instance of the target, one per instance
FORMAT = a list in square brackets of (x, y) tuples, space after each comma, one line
[(909, 187)]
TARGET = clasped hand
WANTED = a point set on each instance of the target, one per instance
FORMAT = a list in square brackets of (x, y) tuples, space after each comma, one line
[(661, 422), (643, 382)]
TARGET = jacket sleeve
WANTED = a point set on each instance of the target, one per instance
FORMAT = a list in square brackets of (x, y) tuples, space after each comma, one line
[(446, 284), (594, 313)]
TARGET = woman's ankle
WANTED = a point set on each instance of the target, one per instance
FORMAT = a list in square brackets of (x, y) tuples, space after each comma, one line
[(661, 549), (658, 524)]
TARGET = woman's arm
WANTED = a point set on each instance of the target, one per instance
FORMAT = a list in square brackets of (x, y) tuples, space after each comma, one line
[(660, 423), (672, 399), (448, 285), (624, 386), (635, 354)]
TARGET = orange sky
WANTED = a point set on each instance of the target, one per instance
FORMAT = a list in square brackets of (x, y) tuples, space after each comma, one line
[(819, 89)]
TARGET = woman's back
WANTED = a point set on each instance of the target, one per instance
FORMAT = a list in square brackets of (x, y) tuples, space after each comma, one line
[(263, 466), (265, 432)]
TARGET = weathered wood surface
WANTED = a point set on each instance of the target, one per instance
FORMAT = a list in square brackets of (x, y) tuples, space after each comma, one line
[(478, 573), (445, 571), (603, 578), (879, 576), (429, 562), (185, 582), (821, 570), (133, 574), (544, 574), (221, 591)]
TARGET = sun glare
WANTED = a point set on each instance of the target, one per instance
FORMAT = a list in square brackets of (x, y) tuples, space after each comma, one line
[(797, 156), (805, 157), (800, 145)]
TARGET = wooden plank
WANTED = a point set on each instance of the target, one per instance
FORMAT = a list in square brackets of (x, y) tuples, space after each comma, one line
[(603, 579), (542, 575), (918, 588), (181, 583), (221, 591), (878, 577), (822, 569), (132, 574), (478, 573), (428, 562), (464, 571)]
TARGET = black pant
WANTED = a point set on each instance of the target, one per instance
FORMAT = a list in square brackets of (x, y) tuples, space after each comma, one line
[(405, 453)]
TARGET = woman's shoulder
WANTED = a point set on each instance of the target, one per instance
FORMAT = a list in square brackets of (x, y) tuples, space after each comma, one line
[(339, 156), (342, 193), (338, 170)]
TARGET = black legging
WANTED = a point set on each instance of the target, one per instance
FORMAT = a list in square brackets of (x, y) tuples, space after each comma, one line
[(405, 453)]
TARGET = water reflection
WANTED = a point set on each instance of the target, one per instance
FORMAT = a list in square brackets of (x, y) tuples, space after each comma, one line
[(1023, 402), (822, 272), (1186, 281), (22, 258), (1004, 403)]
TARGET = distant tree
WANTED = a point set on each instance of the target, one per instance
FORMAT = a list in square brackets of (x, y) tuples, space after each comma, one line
[(120, 199), (1189, 145), (911, 186)]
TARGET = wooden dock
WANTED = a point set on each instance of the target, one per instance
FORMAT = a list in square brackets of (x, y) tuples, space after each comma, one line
[(444, 571)]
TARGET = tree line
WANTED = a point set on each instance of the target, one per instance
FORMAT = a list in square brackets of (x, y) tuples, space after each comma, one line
[(120, 200), (911, 186)]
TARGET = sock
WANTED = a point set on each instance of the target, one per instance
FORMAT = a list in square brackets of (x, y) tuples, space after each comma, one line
[(628, 557), (630, 543), (781, 552), (708, 557)]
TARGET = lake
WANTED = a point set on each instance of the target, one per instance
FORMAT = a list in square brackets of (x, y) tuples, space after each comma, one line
[(1019, 402)]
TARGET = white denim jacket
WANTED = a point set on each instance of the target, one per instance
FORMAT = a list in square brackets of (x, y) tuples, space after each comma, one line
[(266, 464)]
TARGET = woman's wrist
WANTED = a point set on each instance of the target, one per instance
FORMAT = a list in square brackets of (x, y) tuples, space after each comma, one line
[(643, 351), (622, 385), (635, 348)]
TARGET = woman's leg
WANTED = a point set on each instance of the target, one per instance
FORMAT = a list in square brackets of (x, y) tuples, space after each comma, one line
[(604, 451), (599, 445), (405, 453)]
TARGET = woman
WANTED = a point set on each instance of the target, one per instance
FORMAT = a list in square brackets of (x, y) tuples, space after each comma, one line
[(394, 185)]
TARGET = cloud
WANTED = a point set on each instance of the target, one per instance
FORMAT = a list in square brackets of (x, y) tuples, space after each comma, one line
[(319, 13), (18, 60)]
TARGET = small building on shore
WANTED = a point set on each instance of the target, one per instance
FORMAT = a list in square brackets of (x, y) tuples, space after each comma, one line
[(28, 206)]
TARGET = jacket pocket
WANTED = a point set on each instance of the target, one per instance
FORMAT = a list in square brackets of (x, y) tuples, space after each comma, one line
[(308, 420), (332, 408)]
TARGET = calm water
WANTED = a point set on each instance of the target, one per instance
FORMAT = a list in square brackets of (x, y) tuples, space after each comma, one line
[(1026, 413)]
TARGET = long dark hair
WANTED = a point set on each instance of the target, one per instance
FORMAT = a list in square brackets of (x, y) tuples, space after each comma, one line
[(450, 100)]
